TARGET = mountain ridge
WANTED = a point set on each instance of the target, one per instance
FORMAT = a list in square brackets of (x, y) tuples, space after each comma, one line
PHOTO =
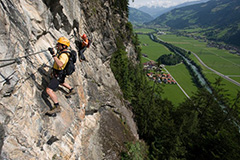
[(138, 17), (220, 19), (158, 11)]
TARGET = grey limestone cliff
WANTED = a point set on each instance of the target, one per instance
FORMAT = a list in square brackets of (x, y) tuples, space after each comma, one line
[(94, 123)]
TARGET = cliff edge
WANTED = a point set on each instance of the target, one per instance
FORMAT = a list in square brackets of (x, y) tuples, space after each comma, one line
[(94, 123)]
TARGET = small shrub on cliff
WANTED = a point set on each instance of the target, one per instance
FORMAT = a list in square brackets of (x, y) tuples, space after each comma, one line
[(135, 151)]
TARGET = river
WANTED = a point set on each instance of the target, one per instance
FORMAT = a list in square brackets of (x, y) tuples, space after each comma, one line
[(188, 62)]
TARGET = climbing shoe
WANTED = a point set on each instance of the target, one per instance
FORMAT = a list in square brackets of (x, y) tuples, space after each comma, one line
[(71, 92), (51, 115), (54, 110)]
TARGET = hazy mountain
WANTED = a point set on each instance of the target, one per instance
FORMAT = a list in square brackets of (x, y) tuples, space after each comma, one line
[(157, 11), (220, 17), (189, 3), (138, 17), (153, 11)]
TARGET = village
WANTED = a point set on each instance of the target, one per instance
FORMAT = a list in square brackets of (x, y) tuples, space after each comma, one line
[(155, 73)]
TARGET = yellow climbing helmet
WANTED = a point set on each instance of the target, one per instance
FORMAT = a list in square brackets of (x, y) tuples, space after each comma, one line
[(64, 41)]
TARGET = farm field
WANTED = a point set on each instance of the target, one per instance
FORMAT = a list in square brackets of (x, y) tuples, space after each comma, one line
[(220, 60), (211, 76), (144, 30), (182, 76), (179, 72), (235, 78), (152, 49), (232, 89), (173, 93)]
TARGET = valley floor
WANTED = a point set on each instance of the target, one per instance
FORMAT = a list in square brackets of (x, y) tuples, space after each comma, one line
[(213, 61)]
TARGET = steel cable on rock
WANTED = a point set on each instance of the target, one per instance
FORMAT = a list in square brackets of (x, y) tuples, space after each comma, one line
[(18, 59)]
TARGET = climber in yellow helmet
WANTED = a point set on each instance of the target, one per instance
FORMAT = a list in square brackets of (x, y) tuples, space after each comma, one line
[(58, 77)]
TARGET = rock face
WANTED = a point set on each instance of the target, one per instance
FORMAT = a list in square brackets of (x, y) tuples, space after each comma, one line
[(95, 122)]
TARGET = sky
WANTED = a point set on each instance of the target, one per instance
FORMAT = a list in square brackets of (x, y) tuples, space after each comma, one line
[(161, 3)]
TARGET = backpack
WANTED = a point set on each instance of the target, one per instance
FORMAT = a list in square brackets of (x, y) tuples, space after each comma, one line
[(70, 67), (89, 43)]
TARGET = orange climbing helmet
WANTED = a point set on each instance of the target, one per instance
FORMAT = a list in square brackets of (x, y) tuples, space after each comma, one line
[(64, 41), (84, 36)]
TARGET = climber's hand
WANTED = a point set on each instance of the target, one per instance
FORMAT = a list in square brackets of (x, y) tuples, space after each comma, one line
[(51, 51)]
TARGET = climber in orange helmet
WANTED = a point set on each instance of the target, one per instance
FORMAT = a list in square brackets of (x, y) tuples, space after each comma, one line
[(82, 47)]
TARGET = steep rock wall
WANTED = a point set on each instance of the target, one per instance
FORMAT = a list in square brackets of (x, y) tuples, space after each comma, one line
[(94, 123)]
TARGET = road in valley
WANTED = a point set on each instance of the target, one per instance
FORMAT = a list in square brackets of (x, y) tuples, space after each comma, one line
[(218, 73), (178, 85)]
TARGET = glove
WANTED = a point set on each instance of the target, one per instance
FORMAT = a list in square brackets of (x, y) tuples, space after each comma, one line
[(51, 51)]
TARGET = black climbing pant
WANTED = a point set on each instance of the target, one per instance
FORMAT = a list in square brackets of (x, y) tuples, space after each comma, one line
[(80, 53)]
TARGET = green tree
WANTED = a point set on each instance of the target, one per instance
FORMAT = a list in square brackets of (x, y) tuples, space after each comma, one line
[(119, 65), (204, 129), (169, 59)]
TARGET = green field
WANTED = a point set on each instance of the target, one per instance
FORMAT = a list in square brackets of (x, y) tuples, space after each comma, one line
[(220, 60), (179, 72), (235, 78), (182, 76), (144, 30), (152, 49), (173, 93)]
